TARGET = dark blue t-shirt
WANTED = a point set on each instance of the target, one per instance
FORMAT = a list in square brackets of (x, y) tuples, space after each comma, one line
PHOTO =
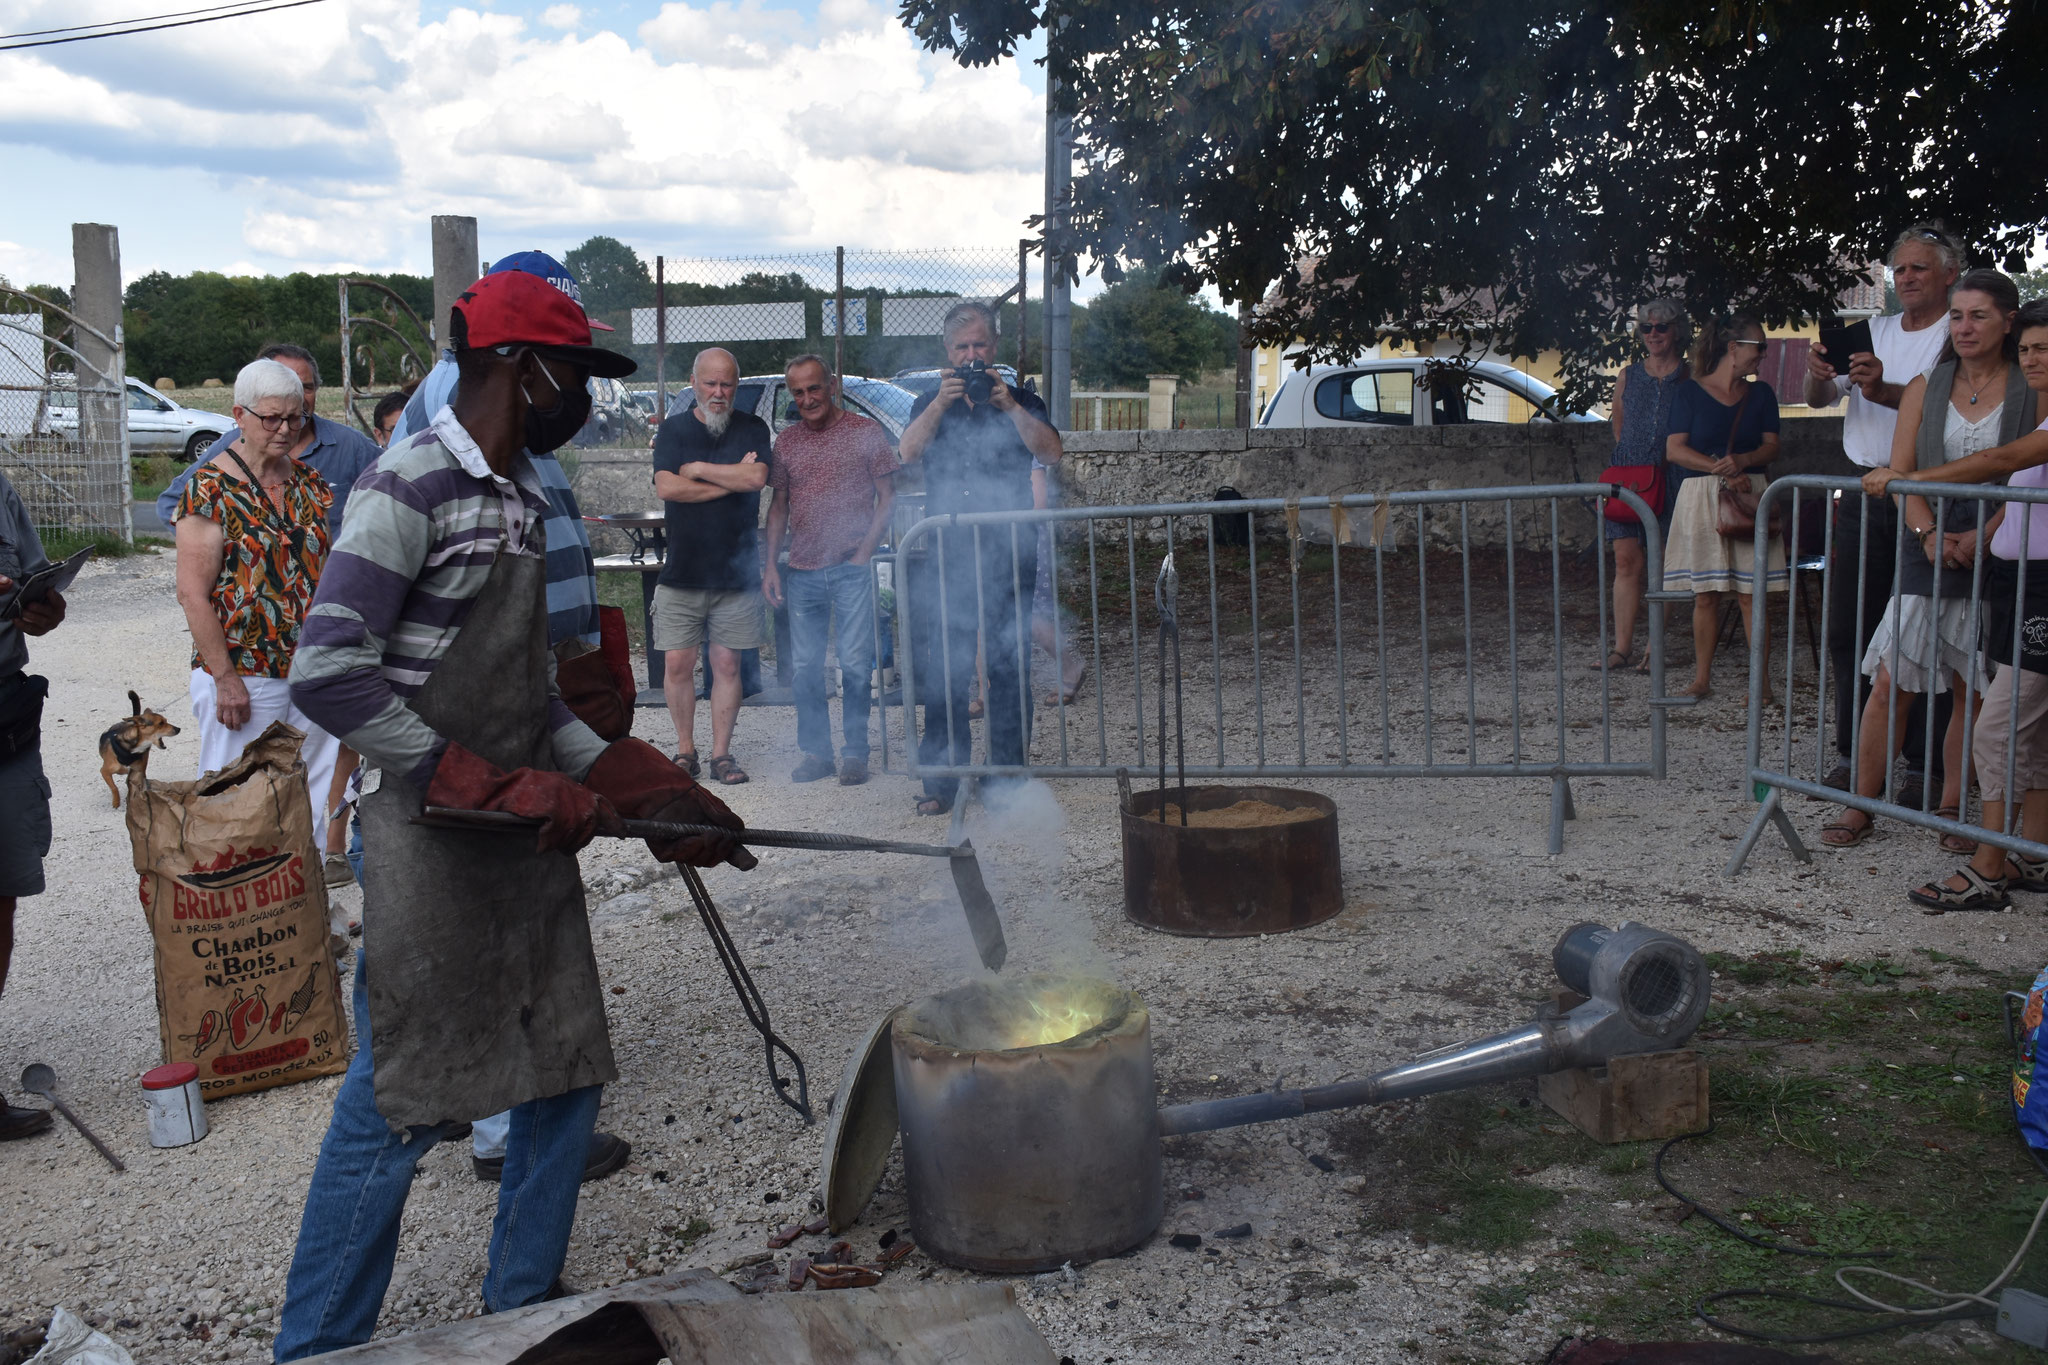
[(1704, 422)]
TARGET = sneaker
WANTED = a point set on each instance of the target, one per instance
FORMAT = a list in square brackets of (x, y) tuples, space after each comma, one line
[(337, 871), (607, 1153), (853, 772), (811, 769)]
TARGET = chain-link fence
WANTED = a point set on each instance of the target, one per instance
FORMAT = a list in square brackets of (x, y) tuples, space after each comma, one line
[(63, 420), (767, 310)]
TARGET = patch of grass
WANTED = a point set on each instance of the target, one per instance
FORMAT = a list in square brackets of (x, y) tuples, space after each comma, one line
[(150, 475), (1602, 1250), (59, 544)]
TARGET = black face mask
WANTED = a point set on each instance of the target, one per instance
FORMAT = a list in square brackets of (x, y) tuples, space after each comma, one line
[(555, 427)]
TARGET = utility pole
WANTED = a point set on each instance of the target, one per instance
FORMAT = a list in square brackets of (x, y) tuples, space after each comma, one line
[(455, 269), (1244, 366), (1059, 317)]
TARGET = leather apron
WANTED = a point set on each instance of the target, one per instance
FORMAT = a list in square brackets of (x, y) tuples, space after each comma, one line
[(486, 992)]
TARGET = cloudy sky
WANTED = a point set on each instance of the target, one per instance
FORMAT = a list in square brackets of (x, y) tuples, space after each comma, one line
[(324, 137)]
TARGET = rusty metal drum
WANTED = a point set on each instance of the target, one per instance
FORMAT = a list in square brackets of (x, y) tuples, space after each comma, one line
[(1029, 1121), (1219, 878)]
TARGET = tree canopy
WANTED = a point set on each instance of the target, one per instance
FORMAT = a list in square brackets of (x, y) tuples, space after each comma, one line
[(1525, 173), (207, 326), (1137, 327)]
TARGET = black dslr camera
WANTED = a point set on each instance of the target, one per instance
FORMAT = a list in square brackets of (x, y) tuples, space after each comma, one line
[(981, 384)]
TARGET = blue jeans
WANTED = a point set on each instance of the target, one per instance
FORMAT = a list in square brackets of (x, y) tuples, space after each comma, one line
[(348, 1236), (814, 597), (983, 598)]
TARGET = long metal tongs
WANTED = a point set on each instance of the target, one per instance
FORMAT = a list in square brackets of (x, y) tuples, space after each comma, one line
[(1166, 595), (751, 1002), (975, 901)]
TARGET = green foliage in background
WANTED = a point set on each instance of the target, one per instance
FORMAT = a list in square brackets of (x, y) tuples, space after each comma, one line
[(1139, 327), (202, 326), (1525, 172)]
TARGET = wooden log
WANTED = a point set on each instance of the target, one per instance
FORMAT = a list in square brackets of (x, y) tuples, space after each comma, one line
[(1650, 1095)]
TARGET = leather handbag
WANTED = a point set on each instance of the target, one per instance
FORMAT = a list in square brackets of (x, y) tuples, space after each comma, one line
[(1646, 481), (1735, 509)]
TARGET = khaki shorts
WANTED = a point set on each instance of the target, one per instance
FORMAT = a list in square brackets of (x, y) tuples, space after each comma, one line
[(1994, 723), (684, 616)]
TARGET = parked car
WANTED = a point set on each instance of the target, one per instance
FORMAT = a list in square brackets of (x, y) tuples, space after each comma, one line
[(611, 421), (1404, 393), (767, 397), (156, 425)]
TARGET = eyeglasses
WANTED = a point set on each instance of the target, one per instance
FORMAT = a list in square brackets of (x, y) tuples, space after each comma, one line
[(1658, 327), (293, 420)]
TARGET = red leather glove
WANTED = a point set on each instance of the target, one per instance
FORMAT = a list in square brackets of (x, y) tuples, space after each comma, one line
[(571, 813), (634, 777)]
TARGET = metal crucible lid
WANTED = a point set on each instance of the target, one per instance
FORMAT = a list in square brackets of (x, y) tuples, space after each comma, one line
[(862, 1128)]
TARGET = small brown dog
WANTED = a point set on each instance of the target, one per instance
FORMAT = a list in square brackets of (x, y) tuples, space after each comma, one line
[(122, 744)]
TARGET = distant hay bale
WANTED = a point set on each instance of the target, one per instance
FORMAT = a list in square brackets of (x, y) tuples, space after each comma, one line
[(212, 384), (166, 385)]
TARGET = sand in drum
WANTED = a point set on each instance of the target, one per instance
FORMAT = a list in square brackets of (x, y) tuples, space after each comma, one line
[(1241, 815)]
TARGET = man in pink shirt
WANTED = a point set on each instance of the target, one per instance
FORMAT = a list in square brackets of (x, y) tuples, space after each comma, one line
[(833, 482)]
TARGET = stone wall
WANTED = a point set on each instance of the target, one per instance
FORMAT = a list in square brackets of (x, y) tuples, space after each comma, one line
[(1124, 468)]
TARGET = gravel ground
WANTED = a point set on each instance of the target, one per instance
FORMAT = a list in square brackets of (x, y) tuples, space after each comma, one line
[(1451, 906)]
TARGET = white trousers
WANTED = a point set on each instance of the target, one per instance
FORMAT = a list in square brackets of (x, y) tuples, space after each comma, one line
[(269, 699)]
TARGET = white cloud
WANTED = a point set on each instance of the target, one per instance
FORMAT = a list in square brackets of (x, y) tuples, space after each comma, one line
[(724, 128)]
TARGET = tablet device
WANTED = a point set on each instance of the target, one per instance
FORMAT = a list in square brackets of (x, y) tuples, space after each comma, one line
[(44, 581), (1839, 343)]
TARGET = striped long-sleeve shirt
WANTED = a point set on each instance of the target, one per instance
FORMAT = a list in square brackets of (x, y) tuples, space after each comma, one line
[(424, 528), (572, 577)]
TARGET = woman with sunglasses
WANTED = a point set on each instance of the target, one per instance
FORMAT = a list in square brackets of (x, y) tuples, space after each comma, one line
[(1641, 412), (252, 537), (1724, 426)]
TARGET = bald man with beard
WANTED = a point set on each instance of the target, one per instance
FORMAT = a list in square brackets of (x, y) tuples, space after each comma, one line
[(710, 465)]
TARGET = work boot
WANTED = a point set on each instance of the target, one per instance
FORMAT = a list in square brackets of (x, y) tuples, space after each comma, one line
[(16, 1122), (853, 772), (607, 1153), (811, 769), (1838, 776)]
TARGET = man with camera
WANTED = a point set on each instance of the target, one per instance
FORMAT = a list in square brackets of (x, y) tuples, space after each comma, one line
[(977, 438)]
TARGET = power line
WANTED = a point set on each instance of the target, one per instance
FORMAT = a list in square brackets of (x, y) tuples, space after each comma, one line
[(122, 23), (145, 25)]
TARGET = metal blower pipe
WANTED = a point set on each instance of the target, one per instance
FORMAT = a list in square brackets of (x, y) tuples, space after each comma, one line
[(1648, 992)]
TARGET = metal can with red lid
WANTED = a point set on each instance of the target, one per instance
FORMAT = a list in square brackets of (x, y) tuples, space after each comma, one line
[(177, 1113)]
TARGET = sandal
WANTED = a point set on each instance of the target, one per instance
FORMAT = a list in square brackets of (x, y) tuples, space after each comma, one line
[(2026, 874), (1849, 835), (930, 805), (1616, 661), (1977, 893), (1959, 843), (689, 764), (727, 771)]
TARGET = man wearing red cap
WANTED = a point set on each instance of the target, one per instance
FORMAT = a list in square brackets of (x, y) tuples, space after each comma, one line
[(426, 651)]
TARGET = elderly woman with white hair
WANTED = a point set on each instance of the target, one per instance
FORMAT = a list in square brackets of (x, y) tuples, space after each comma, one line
[(1641, 411), (252, 538)]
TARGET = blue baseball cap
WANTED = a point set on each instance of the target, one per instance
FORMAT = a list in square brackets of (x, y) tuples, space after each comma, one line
[(541, 264)]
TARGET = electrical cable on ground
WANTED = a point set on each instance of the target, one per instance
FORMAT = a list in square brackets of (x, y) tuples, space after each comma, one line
[(7, 43), (1959, 1305)]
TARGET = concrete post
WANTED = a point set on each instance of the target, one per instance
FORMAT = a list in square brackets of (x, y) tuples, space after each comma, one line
[(455, 267), (1058, 313), (102, 377), (1245, 415), (1160, 389)]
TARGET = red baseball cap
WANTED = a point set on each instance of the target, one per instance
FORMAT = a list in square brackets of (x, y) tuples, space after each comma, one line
[(513, 308)]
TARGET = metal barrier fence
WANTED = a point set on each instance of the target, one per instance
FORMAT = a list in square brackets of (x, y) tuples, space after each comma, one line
[(1796, 746), (63, 419), (1402, 647)]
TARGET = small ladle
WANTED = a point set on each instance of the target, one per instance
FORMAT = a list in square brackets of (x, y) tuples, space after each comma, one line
[(42, 1080)]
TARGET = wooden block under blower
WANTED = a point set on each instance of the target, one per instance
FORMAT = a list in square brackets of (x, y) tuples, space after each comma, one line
[(1650, 1095)]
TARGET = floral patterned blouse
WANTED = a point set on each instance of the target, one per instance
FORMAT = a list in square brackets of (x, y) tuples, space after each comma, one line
[(270, 562)]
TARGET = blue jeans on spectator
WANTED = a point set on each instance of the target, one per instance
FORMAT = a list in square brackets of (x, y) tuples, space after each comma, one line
[(348, 1235), (980, 597), (814, 597)]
